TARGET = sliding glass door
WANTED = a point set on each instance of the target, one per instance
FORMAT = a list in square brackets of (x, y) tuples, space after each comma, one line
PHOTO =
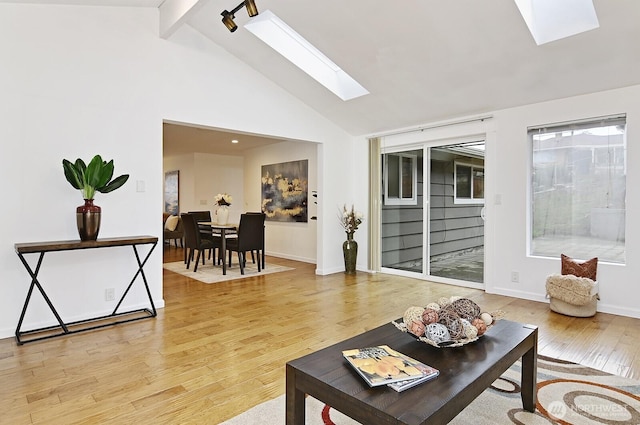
[(456, 212), (432, 221)]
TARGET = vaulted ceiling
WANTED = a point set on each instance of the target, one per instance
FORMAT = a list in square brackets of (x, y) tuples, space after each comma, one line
[(429, 60), (422, 60)]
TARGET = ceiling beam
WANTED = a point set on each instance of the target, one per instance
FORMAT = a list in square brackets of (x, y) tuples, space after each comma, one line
[(174, 13)]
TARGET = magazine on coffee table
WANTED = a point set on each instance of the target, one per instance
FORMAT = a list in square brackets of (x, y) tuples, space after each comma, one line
[(410, 383), (381, 365)]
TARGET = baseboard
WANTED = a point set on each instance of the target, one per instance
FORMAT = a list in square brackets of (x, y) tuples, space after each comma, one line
[(291, 257), (530, 296), (612, 309), (601, 308)]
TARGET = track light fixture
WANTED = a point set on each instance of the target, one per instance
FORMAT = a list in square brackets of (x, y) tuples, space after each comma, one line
[(228, 17)]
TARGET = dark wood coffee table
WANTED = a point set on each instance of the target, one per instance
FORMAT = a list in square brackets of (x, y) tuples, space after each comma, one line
[(465, 372)]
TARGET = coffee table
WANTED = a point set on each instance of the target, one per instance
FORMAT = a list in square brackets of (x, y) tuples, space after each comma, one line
[(465, 372)]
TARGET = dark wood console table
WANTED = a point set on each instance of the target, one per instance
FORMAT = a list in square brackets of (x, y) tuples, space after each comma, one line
[(87, 324)]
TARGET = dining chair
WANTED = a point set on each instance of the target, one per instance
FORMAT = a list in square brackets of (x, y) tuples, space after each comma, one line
[(193, 241), (205, 231), (201, 215), (250, 237), (264, 264)]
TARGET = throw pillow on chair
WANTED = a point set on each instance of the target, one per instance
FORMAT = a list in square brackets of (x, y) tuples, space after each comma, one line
[(171, 223), (581, 269)]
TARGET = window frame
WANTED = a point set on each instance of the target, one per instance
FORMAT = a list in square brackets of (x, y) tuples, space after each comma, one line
[(413, 200), (564, 177), (460, 200)]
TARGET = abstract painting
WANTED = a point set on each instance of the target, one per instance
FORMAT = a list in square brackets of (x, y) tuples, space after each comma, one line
[(172, 192), (284, 191)]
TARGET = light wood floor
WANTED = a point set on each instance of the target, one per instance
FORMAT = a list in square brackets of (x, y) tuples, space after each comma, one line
[(216, 350)]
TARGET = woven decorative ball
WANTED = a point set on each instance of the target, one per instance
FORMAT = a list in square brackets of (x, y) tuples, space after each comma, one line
[(429, 316), (466, 308), (443, 302), (454, 298), (433, 306), (470, 331), (412, 314), (437, 333), (479, 323), (416, 327), (450, 319), (486, 318)]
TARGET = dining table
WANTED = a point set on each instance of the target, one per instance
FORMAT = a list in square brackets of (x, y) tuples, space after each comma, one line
[(223, 228)]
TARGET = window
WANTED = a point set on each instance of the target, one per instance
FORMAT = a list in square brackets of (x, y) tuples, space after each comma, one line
[(401, 178), (469, 184), (578, 188)]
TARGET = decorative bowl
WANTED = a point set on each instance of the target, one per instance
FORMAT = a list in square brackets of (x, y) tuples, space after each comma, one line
[(450, 322)]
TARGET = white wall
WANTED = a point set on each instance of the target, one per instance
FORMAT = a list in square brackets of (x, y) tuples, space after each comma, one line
[(206, 175), (508, 161), (219, 174), (296, 241), (507, 173), (79, 80)]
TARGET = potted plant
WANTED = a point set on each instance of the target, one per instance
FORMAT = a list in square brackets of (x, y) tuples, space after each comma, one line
[(89, 179)]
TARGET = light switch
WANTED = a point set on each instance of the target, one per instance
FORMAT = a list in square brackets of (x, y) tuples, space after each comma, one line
[(203, 202), (140, 186)]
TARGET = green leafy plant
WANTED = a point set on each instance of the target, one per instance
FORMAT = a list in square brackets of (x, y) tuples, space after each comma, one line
[(92, 178)]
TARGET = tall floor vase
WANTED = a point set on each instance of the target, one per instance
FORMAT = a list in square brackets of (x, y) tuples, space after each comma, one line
[(350, 252), (88, 220)]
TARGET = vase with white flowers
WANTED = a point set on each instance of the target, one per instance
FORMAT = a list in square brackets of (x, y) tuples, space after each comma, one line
[(350, 220), (223, 201)]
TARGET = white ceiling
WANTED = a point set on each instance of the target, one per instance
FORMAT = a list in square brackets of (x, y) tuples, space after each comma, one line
[(126, 3), (428, 60), (180, 139)]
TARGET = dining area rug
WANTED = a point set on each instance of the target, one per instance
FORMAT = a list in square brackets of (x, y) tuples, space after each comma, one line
[(568, 393), (210, 273)]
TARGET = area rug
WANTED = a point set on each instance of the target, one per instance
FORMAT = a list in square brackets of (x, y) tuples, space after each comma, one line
[(568, 393), (208, 273)]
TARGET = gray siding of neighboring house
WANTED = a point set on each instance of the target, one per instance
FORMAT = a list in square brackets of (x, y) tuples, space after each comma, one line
[(454, 227)]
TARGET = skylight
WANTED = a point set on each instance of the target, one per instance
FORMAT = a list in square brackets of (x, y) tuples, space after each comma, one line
[(286, 41), (550, 20)]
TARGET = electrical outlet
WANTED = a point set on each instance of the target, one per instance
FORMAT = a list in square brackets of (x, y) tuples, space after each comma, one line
[(515, 277), (109, 294)]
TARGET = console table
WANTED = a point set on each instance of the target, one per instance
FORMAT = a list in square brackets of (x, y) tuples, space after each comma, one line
[(87, 324)]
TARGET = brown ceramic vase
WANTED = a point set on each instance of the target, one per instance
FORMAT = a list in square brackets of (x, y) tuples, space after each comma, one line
[(88, 220)]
